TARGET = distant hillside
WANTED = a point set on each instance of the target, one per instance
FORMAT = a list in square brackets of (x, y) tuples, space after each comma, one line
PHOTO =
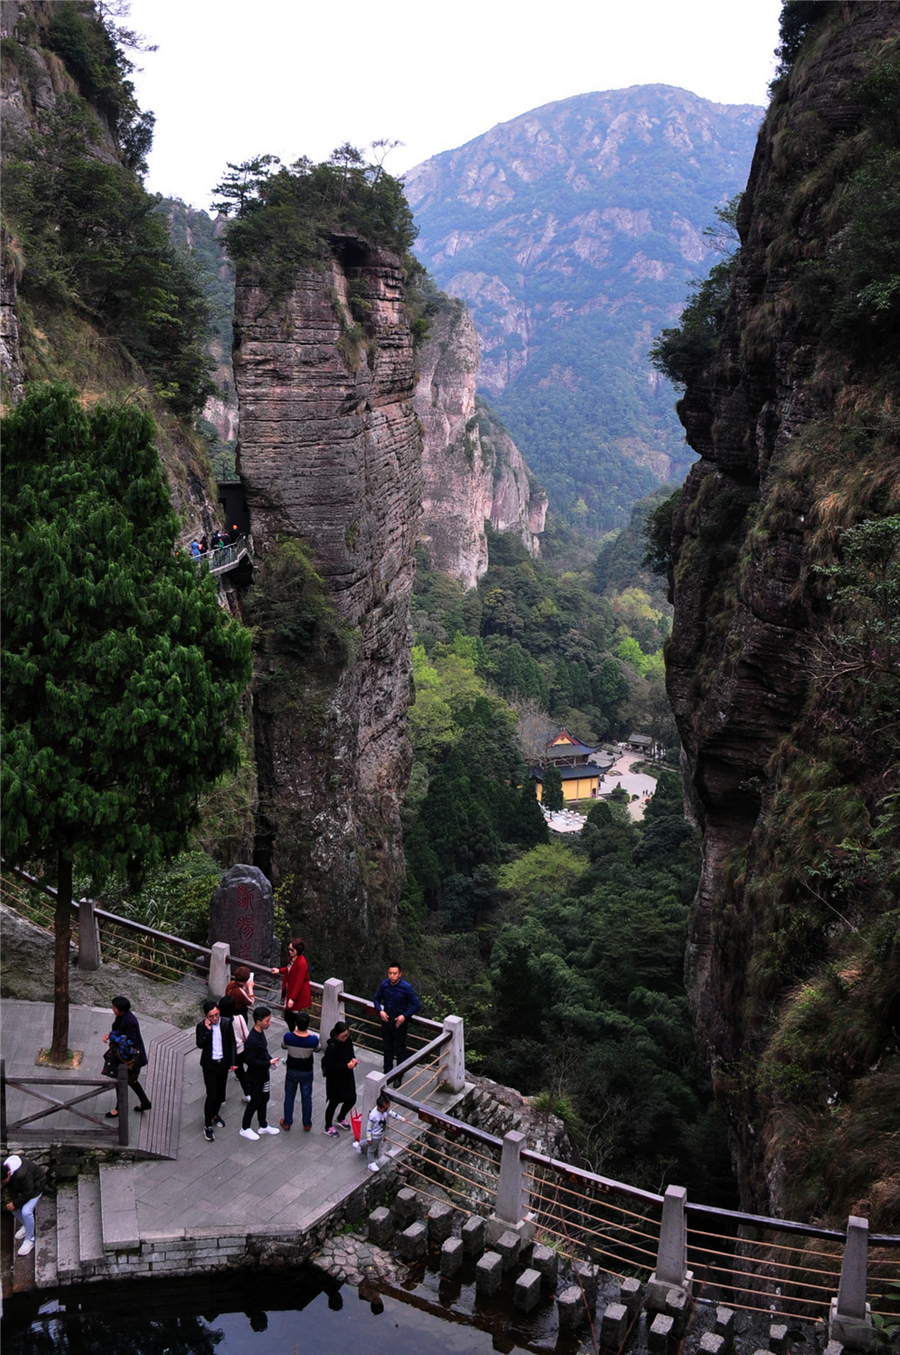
[(572, 232)]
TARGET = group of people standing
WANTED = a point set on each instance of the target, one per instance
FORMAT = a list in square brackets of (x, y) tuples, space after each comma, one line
[(227, 1043)]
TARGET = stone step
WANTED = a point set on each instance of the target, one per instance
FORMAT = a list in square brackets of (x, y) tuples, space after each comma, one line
[(118, 1209), (90, 1232), (68, 1254), (45, 1271)]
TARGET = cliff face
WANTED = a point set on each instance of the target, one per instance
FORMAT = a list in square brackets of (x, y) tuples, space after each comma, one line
[(472, 469), (329, 455), (794, 957)]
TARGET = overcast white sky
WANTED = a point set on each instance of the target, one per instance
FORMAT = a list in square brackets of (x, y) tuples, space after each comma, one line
[(299, 77)]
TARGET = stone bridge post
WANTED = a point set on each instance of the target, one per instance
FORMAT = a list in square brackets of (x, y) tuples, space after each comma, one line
[(671, 1259), (372, 1088), (89, 956), (512, 1195), (332, 1006), (455, 1054), (850, 1317), (219, 971)]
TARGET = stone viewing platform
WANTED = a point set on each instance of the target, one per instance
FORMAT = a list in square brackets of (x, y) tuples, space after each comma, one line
[(206, 1205)]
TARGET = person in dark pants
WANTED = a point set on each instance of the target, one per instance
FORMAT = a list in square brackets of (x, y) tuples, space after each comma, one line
[(299, 1045), (395, 1002), (338, 1063), (259, 1065), (215, 1040), (127, 1024)]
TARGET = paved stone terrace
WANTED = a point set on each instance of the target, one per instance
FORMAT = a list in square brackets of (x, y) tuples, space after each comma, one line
[(233, 1186)]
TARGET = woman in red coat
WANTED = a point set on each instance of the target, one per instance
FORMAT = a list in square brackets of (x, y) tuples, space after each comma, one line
[(295, 990)]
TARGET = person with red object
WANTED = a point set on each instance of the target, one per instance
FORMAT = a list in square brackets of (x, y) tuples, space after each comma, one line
[(295, 990)]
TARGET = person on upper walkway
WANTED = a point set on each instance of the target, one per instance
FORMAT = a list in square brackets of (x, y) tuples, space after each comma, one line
[(295, 990), (300, 1045), (395, 1003), (218, 1056)]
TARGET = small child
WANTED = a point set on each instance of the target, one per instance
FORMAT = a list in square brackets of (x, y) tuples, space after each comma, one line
[(375, 1128)]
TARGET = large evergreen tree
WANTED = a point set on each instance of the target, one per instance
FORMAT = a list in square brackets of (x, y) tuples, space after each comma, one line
[(121, 674)]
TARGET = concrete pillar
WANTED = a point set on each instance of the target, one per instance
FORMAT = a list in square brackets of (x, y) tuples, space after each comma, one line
[(512, 1197), (452, 1256), (219, 969), (850, 1317), (671, 1260), (454, 1052), (332, 1006), (89, 956), (371, 1092)]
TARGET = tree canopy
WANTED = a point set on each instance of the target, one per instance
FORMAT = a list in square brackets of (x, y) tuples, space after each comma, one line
[(121, 673)]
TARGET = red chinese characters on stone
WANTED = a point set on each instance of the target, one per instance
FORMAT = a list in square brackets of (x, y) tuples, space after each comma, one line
[(244, 926)]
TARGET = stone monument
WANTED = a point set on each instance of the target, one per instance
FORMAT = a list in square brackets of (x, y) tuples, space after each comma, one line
[(242, 914)]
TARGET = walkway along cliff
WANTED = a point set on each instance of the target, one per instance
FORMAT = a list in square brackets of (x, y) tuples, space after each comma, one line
[(780, 675), (330, 458)]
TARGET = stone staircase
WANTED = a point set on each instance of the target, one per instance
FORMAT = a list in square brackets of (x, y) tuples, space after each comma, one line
[(87, 1231)]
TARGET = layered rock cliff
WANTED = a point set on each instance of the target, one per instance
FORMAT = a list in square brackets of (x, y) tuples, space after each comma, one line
[(780, 675), (329, 454), (472, 470)]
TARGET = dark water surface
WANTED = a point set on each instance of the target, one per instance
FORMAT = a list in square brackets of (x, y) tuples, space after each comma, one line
[(243, 1314)]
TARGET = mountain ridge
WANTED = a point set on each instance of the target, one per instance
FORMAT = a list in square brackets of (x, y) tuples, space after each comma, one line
[(573, 232)]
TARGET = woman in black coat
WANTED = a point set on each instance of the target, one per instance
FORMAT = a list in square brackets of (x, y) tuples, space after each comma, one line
[(126, 1023), (338, 1063)]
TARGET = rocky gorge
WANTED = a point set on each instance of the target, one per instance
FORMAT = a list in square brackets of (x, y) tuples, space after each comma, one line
[(793, 962)]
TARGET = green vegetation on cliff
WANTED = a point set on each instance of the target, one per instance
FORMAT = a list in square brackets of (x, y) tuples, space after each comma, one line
[(785, 558), (282, 218), (81, 234)]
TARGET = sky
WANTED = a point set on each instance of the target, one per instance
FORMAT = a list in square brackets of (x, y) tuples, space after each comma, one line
[(299, 77)]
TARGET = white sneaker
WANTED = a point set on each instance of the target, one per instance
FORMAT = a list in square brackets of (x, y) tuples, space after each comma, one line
[(268, 1129), (373, 1167), (357, 1147), (246, 1099), (26, 1247), (20, 1234), (249, 1134)]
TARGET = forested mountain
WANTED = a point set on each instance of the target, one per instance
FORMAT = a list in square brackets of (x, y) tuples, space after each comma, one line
[(572, 232)]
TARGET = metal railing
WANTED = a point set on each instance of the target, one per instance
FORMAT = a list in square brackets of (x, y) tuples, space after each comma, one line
[(222, 558)]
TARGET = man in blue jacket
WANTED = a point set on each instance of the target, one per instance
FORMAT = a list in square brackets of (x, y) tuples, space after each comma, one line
[(395, 1002)]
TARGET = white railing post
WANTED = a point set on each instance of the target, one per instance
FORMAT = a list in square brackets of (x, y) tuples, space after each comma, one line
[(372, 1088), (89, 956), (510, 1208), (332, 1006), (455, 1054), (671, 1259), (850, 1317), (219, 971)]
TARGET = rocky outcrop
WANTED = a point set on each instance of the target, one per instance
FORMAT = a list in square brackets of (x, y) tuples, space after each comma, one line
[(472, 470), (329, 455), (786, 767)]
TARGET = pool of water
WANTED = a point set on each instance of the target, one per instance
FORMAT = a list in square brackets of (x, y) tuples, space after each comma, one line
[(251, 1313)]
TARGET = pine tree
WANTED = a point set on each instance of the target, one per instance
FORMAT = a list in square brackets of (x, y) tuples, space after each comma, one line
[(121, 674), (552, 797)]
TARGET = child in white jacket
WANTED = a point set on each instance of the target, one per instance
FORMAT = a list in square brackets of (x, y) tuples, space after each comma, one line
[(375, 1127)]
